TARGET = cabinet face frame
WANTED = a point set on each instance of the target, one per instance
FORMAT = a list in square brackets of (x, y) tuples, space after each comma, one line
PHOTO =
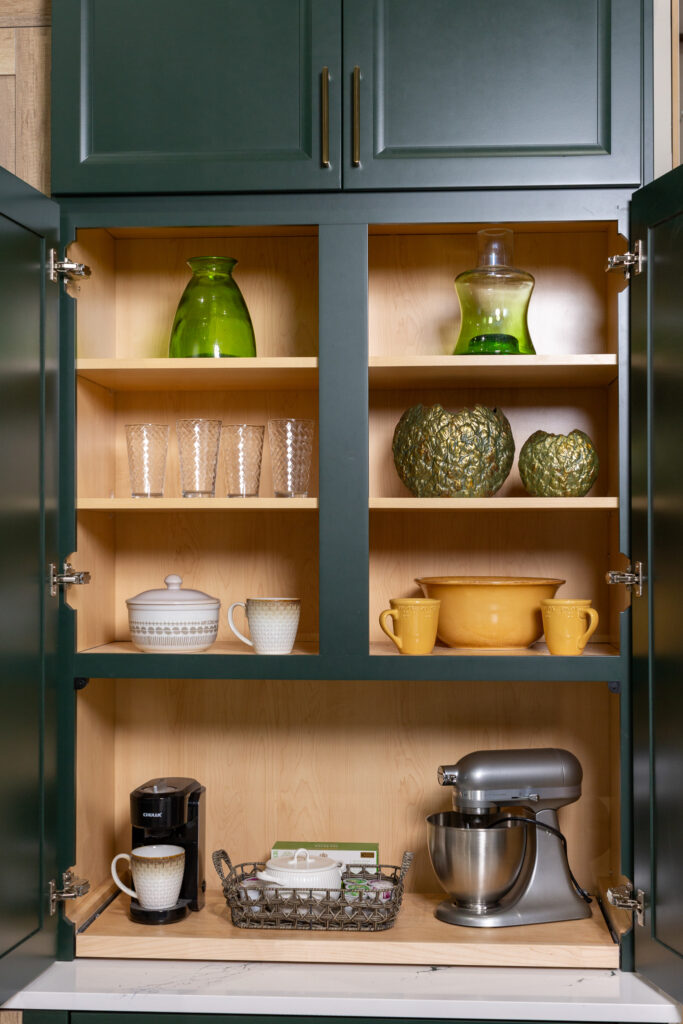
[(344, 404)]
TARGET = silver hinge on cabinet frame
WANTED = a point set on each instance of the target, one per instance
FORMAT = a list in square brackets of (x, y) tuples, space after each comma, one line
[(67, 268), (66, 578), (72, 888), (621, 896), (633, 578), (629, 262)]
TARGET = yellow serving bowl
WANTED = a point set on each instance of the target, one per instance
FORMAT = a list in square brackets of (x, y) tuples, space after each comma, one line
[(485, 612)]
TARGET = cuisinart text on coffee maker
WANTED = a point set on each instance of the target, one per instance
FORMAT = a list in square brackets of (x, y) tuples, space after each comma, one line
[(171, 810), (500, 853)]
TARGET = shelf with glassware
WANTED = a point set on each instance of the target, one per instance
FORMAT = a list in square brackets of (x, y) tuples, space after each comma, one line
[(176, 455), (516, 524)]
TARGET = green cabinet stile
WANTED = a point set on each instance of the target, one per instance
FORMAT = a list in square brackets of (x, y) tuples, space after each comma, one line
[(226, 96)]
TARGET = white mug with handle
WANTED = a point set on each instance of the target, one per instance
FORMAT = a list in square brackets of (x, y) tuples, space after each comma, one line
[(157, 875), (273, 622)]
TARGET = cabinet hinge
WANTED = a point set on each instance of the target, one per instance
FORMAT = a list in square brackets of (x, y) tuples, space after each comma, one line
[(634, 578), (621, 896), (66, 578), (72, 888), (629, 262), (67, 268)]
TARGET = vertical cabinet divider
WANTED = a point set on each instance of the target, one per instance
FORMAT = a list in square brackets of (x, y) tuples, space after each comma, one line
[(343, 418)]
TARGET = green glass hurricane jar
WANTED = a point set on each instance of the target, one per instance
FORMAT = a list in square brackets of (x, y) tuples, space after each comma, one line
[(212, 319), (494, 299)]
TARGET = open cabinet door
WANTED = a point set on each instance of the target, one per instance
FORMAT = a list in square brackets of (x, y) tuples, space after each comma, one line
[(657, 510), (28, 540)]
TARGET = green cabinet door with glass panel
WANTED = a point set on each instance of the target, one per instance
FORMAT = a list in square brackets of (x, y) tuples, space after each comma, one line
[(310, 95)]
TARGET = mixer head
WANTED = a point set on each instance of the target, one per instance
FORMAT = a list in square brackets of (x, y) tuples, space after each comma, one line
[(540, 779)]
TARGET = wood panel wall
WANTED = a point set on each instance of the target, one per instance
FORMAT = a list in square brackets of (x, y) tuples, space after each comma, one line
[(25, 90)]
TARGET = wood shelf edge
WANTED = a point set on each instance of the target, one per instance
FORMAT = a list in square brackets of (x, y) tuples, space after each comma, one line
[(194, 504), (222, 648), (381, 648), (417, 938), (516, 504)]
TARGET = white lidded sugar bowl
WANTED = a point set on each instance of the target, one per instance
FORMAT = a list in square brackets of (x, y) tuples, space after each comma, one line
[(312, 872), (173, 621)]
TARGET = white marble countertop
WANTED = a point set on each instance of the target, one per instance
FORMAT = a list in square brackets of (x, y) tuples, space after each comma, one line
[(341, 990)]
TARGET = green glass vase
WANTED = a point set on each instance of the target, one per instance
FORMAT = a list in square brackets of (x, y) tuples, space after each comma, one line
[(494, 299), (212, 319)]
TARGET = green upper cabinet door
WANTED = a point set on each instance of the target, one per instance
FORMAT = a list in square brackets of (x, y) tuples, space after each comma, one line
[(171, 96), (459, 94)]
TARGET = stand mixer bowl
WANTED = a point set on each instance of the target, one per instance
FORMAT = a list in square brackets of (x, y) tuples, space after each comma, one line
[(476, 866)]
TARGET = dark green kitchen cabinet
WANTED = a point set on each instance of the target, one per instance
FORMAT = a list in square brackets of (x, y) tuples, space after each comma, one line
[(353, 234), (167, 96), (310, 95)]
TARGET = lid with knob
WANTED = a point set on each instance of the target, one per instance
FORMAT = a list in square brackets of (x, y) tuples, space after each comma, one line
[(173, 597)]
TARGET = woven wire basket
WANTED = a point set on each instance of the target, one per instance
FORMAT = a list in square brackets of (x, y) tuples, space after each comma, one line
[(265, 905)]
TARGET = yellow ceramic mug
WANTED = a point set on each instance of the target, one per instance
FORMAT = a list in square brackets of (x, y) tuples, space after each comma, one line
[(564, 622), (415, 622)]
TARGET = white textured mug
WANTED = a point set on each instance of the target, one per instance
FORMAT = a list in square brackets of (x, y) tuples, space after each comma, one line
[(157, 875), (273, 622)]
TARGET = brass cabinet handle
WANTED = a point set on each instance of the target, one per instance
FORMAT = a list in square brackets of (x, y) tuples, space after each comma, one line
[(355, 157), (325, 117)]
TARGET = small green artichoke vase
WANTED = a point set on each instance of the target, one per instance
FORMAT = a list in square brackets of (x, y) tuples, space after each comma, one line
[(212, 319)]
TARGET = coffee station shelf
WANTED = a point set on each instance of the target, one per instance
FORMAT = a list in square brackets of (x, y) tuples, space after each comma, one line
[(289, 373), (498, 504), (194, 504), (416, 938), (568, 371)]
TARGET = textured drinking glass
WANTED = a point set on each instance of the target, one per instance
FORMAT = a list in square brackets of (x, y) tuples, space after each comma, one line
[(291, 445), (147, 445), (212, 318), (242, 450), (494, 298), (198, 442)]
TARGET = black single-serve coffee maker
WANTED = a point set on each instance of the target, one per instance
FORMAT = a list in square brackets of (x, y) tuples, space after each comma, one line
[(171, 811)]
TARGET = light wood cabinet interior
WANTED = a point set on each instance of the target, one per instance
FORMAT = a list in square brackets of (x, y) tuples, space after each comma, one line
[(336, 760)]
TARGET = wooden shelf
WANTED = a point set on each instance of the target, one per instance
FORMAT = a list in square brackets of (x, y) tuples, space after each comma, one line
[(292, 373), (194, 504), (416, 938), (225, 647), (492, 371), (497, 504), (387, 648)]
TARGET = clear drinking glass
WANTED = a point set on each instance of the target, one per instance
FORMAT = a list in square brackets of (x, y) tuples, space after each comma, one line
[(291, 446), (198, 442), (147, 445), (242, 450)]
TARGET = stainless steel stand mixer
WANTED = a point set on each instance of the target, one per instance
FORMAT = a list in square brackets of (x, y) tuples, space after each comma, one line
[(507, 867)]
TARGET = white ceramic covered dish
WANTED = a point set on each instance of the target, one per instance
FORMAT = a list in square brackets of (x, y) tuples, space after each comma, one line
[(311, 873), (173, 621)]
